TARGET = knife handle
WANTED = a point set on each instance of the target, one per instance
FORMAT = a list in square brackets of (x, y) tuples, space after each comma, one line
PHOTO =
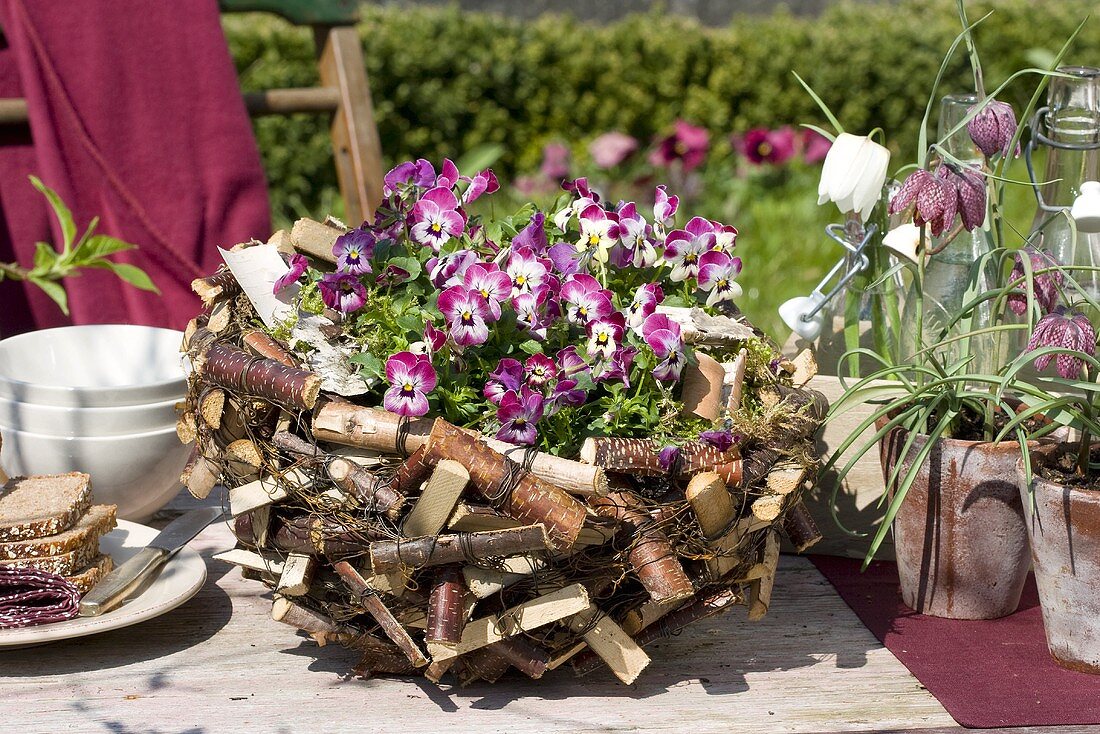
[(120, 582)]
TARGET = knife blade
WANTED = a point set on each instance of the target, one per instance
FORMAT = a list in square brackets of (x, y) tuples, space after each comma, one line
[(115, 587)]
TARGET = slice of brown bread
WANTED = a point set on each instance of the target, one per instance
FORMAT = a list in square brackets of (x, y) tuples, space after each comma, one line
[(34, 507), (62, 564), (92, 575), (98, 520)]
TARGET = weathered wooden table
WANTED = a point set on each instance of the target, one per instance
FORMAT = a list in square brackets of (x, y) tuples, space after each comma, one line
[(219, 663)]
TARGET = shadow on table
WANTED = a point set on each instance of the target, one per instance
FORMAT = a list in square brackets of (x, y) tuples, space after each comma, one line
[(192, 623)]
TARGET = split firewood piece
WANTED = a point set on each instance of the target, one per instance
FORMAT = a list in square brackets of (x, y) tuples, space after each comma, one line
[(190, 330), (243, 458), (297, 575), (607, 639), (186, 430), (438, 668), (322, 536), (200, 475), (211, 405), (700, 609), (290, 387), (563, 657), (219, 285), (715, 510), (264, 491), (503, 483), (525, 657), (768, 507), (702, 387), (284, 245), (650, 555), (800, 527), (315, 239), (785, 477), (805, 368), (263, 563), (541, 610), (437, 502), (446, 610), (485, 582), (412, 472), (698, 327), (221, 316), (368, 599), (735, 380), (264, 346), (468, 518), (760, 590), (370, 428), (643, 456), (437, 550)]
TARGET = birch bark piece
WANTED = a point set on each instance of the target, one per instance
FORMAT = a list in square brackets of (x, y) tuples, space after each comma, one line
[(800, 527), (369, 600), (698, 327), (735, 381), (524, 617), (233, 368), (438, 550)]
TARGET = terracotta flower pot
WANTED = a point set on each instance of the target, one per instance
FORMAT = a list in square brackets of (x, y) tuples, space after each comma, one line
[(959, 536), (1064, 524)]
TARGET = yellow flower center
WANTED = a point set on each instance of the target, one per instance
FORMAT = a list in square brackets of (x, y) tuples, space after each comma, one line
[(407, 387), (520, 280), (582, 311), (467, 316), (690, 258), (718, 248), (602, 339), (484, 294), (593, 239), (436, 227), (722, 283), (764, 148)]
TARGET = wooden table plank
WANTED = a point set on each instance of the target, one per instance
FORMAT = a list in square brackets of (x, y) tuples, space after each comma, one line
[(220, 664)]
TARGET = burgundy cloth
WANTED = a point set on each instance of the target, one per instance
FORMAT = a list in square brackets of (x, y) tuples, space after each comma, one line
[(136, 118), (986, 673), (29, 597)]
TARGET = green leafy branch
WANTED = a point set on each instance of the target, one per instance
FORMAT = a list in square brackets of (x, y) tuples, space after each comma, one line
[(91, 250)]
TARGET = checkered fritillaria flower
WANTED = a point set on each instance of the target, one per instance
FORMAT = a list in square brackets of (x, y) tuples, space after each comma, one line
[(1046, 285), (993, 128), (1068, 330)]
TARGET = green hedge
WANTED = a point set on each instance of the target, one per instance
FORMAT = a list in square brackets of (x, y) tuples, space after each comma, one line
[(445, 81)]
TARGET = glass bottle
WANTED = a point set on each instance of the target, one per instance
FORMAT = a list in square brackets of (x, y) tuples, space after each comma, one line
[(1069, 130), (954, 273)]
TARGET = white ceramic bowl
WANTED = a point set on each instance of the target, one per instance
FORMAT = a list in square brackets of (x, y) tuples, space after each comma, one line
[(139, 472), (95, 366), (57, 420)]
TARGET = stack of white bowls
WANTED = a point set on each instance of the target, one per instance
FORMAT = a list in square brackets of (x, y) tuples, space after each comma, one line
[(97, 399)]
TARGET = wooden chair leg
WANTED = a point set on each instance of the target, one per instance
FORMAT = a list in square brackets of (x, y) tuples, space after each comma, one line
[(355, 143)]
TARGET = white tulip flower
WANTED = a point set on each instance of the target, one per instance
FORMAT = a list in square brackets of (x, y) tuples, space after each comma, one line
[(853, 174)]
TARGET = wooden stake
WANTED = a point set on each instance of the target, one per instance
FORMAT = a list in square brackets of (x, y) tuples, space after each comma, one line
[(369, 600), (264, 491), (615, 647), (525, 617), (484, 582), (800, 527), (437, 502), (760, 590), (266, 564), (439, 550), (297, 575)]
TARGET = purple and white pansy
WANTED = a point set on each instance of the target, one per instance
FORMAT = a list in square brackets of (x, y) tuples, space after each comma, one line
[(662, 334), (297, 264), (436, 218), (684, 247), (487, 280), (645, 302), (467, 315), (411, 377), (342, 292), (717, 273), (518, 413), (585, 300)]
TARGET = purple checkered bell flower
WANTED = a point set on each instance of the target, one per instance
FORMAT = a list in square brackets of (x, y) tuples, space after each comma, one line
[(936, 200), (1046, 284), (1068, 330), (971, 192), (993, 128)]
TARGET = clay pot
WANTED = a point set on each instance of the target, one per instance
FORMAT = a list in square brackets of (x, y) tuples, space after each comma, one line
[(1064, 524), (959, 536)]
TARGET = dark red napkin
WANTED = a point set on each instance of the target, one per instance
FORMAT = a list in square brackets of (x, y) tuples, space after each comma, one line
[(986, 673), (29, 597), (135, 117)]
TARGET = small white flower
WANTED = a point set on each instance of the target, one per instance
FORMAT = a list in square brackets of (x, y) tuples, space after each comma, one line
[(853, 174), (903, 241)]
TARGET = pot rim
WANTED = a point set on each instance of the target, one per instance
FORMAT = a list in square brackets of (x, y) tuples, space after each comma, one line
[(993, 446), (1036, 478)]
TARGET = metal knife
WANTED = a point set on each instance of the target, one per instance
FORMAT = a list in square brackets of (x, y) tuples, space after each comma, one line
[(109, 592)]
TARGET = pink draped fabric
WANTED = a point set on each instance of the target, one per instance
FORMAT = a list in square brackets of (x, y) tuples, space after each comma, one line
[(135, 117)]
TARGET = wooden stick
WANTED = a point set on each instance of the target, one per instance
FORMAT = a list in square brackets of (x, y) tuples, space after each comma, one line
[(446, 611), (200, 475), (314, 239), (264, 346), (760, 590), (805, 368), (468, 518), (503, 483), (412, 472), (297, 575), (785, 477), (642, 456), (650, 555), (369, 600), (437, 550), (714, 508), (244, 459), (212, 287), (264, 491), (484, 582), (370, 428), (292, 388), (322, 536), (541, 610), (735, 381), (264, 563), (702, 387), (438, 500), (800, 527), (529, 659), (768, 507), (482, 664), (615, 647)]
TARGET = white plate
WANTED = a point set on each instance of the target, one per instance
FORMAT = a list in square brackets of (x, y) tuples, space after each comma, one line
[(179, 580)]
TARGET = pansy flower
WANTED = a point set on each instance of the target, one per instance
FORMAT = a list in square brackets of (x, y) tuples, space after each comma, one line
[(418, 173), (717, 272), (533, 235), (605, 335), (527, 271), (436, 218), (684, 247), (449, 176), (518, 413), (645, 302), (599, 231), (392, 275), (533, 311), (569, 362), (539, 370), (487, 280), (434, 338), (725, 237), (585, 198), (668, 457), (555, 161), (411, 377), (484, 182), (664, 209), (342, 292), (585, 300), (565, 394), (662, 334), (721, 440), (618, 367), (635, 246), (507, 376), (466, 313), (565, 258), (448, 270), (353, 251), (687, 145), (612, 148), (297, 264)]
